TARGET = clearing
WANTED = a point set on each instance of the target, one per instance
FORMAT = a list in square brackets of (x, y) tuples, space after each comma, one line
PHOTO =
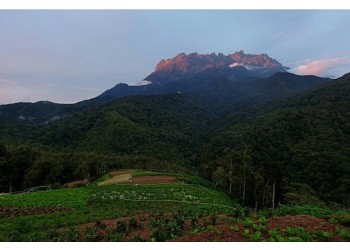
[(134, 205)]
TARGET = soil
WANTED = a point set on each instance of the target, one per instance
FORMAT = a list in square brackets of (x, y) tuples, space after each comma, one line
[(119, 177), (153, 179), (222, 232), (225, 233), (10, 211), (143, 230), (121, 172)]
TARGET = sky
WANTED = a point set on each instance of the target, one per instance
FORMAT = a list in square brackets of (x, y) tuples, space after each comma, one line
[(67, 56)]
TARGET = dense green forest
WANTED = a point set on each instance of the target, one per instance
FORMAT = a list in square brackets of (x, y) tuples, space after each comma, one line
[(278, 145)]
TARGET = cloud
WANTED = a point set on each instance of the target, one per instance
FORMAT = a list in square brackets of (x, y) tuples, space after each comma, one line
[(325, 67)]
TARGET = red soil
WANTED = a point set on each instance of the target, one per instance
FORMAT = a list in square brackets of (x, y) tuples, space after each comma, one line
[(222, 232), (225, 233), (153, 179), (120, 172)]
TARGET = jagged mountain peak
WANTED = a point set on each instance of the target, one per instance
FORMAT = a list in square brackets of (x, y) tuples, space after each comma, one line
[(184, 65)]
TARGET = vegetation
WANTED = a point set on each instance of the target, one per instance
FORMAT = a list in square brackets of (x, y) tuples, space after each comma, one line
[(275, 157), (96, 203)]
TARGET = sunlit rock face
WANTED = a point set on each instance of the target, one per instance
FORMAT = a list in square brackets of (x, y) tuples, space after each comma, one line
[(185, 66)]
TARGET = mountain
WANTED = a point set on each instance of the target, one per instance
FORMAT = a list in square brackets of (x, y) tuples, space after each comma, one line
[(304, 139), (191, 73), (186, 66), (279, 129), (221, 94)]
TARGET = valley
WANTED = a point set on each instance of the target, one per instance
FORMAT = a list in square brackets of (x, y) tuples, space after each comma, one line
[(212, 148)]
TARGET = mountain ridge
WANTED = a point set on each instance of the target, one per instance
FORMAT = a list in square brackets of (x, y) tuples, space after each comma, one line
[(188, 65)]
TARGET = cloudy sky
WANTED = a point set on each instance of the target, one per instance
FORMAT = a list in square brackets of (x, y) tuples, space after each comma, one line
[(68, 56)]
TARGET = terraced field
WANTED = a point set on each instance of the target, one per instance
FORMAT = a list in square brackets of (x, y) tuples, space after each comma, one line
[(122, 206)]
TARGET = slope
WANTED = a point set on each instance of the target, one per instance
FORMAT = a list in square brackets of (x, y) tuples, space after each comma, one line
[(304, 139)]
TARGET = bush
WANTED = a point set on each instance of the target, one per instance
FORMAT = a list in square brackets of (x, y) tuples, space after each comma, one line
[(302, 210), (121, 227)]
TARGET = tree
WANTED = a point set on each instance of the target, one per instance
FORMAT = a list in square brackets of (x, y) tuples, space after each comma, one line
[(220, 177), (18, 162), (247, 164)]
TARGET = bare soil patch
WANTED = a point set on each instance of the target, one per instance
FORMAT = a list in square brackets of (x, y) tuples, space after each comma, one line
[(117, 179), (153, 179), (121, 172), (126, 176)]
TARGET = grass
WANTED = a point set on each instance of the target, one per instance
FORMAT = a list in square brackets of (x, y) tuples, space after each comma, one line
[(70, 198), (96, 203), (181, 193)]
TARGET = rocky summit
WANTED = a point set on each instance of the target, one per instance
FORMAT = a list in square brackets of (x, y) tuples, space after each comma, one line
[(185, 66)]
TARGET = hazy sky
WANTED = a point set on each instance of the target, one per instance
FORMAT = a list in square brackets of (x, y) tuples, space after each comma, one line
[(68, 56)]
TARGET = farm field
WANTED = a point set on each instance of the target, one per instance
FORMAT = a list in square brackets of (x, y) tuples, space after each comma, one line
[(157, 206)]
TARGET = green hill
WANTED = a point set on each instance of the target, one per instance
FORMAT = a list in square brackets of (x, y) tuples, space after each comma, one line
[(303, 139)]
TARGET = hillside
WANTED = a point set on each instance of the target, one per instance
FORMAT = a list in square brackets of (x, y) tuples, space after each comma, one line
[(166, 128), (303, 139), (135, 205), (169, 127)]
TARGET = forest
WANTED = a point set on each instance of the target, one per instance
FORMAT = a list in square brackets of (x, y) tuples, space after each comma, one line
[(273, 149)]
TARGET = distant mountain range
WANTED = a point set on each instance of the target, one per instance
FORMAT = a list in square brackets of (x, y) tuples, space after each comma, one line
[(232, 78), (170, 75)]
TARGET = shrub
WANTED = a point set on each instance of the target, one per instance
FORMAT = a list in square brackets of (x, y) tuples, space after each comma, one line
[(115, 237), (159, 235), (133, 223), (138, 238), (257, 236), (121, 227), (73, 234), (91, 234)]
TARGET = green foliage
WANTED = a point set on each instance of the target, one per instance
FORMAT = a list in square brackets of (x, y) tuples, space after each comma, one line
[(133, 224), (322, 235), (138, 238), (274, 232), (245, 233), (115, 237), (263, 220), (259, 227), (92, 234), (256, 236), (303, 140), (298, 232), (343, 233), (121, 227), (301, 194), (235, 228), (70, 198), (96, 203), (340, 218), (73, 234), (213, 217), (249, 222), (191, 194), (302, 210)]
